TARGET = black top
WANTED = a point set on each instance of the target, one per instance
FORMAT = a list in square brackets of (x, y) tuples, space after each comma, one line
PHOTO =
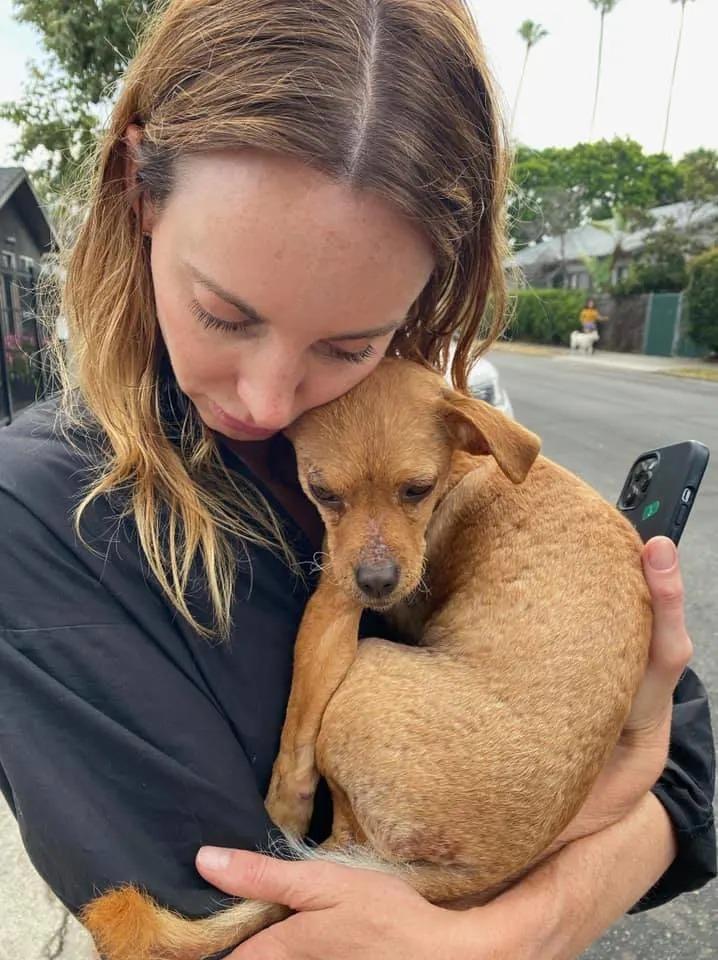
[(127, 741)]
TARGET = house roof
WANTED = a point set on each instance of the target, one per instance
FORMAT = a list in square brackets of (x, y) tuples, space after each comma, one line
[(15, 184), (683, 214), (593, 241), (588, 241), (10, 178)]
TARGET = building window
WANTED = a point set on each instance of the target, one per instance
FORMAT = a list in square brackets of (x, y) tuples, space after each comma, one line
[(27, 264), (7, 260)]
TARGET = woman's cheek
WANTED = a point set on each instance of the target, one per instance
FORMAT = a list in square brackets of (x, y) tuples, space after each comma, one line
[(197, 361)]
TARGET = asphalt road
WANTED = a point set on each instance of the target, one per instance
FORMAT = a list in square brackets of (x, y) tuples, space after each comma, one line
[(595, 421)]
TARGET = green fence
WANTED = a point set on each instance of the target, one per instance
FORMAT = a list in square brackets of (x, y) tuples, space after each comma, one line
[(667, 325), (662, 329)]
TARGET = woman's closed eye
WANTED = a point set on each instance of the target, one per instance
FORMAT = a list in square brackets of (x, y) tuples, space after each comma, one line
[(245, 328)]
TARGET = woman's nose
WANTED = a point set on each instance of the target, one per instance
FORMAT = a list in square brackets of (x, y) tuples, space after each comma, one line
[(269, 394)]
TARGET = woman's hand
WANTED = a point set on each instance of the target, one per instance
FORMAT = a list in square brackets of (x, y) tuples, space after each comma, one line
[(343, 914), (640, 755)]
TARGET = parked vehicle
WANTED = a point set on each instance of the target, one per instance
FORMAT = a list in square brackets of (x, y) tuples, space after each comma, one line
[(484, 383)]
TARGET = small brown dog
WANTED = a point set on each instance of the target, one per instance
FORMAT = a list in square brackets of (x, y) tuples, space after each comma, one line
[(456, 759)]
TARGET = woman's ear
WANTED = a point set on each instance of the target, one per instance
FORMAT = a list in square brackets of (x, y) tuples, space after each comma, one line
[(478, 428), (141, 204)]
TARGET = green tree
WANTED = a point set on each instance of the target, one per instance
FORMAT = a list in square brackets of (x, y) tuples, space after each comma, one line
[(532, 33), (600, 270), (613, 176), (699, 174), (604, 7), (623, 222), (88, 45), (661, 266), (683, 4), (617, 173)]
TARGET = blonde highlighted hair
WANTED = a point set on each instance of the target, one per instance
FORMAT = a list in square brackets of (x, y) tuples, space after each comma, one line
[(393, 96)]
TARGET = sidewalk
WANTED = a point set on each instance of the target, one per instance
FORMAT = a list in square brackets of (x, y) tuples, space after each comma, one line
[(672, 366), (33, 923)]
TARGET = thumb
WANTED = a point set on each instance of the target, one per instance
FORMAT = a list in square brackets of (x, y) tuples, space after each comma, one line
[(298, 885), (671, 648)]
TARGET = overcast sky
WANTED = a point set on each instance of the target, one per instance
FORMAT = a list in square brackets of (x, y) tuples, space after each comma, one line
[(557, 99)]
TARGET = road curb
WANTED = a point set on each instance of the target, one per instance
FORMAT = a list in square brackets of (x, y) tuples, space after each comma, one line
[(637, 363)]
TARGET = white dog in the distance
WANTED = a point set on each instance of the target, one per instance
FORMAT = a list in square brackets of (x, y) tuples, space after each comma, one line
[(583, 342)]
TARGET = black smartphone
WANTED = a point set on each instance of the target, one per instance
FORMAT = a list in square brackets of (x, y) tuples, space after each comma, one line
[(661, 488)]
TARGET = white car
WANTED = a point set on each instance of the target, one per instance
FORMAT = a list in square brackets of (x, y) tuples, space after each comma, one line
[(484, 384)]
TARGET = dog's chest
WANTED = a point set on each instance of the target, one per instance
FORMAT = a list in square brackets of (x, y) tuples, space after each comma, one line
[(409, 617)]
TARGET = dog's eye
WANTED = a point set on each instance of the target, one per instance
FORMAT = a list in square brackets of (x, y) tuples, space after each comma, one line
[(324, 496), (414, 492)]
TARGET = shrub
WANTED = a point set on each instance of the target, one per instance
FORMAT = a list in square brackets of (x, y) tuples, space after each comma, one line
[(546, 316), (703, 299)]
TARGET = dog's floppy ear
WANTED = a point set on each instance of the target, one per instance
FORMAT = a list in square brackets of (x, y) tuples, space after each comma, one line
[(478, 428)]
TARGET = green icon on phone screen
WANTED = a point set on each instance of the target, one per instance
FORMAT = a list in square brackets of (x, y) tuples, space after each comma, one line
[(651, 510)]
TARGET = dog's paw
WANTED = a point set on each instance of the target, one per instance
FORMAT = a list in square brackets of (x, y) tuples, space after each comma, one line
[(290, 804)]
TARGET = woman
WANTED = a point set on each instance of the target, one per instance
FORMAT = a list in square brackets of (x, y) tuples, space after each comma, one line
[(285, 193), (590, 316)]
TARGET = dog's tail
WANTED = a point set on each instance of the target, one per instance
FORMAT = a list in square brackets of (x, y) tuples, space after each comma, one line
[(127, 924)]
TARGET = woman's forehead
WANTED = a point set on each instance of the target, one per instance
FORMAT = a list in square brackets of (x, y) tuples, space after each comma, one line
[(274, 232)]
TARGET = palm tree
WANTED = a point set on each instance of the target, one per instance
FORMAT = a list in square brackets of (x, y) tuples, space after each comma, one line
[(604, 7), (683, 4), (531, 33)]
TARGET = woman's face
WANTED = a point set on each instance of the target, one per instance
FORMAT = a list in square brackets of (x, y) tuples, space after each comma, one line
[(277, 288)]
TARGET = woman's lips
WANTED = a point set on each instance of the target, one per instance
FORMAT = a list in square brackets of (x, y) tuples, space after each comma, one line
[(239, 426)]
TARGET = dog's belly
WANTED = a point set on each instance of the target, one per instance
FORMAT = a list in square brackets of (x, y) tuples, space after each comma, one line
[(439, 769)]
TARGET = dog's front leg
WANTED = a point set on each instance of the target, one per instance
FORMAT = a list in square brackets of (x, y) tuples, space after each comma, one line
[(325, 650)]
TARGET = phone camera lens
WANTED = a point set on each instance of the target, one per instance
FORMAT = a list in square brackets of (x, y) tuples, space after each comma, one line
[(630, 498), (642, 480)]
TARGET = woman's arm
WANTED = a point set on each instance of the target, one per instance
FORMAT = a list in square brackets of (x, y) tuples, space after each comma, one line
[(686, 789), (565, 904)]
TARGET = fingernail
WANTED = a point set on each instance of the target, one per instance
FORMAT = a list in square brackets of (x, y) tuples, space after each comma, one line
[(662, 554), (213, 858)]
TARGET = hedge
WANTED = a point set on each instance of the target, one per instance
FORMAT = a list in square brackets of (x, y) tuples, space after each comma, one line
[(546, 316), (703, 299)]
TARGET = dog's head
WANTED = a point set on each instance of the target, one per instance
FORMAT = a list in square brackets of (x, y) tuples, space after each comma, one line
[(376, 461)]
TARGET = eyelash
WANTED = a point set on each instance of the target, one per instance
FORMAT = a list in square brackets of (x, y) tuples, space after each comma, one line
[(211, 322)]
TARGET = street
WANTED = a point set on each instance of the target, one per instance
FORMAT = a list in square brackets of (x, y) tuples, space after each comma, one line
[(595, 421)]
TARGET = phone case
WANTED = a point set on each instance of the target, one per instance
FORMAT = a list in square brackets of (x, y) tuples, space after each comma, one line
[(661, 488)]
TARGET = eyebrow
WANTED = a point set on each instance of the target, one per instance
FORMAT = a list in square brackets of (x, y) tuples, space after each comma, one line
[(257, 317)]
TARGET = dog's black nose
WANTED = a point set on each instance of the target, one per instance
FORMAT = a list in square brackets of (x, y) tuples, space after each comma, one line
[(377, 581)]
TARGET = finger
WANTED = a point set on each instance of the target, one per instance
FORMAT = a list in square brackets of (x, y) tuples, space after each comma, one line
[(671, 648), (297, 885)]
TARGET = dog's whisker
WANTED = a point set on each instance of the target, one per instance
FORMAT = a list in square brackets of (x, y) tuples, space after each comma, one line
[(423, 587)]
